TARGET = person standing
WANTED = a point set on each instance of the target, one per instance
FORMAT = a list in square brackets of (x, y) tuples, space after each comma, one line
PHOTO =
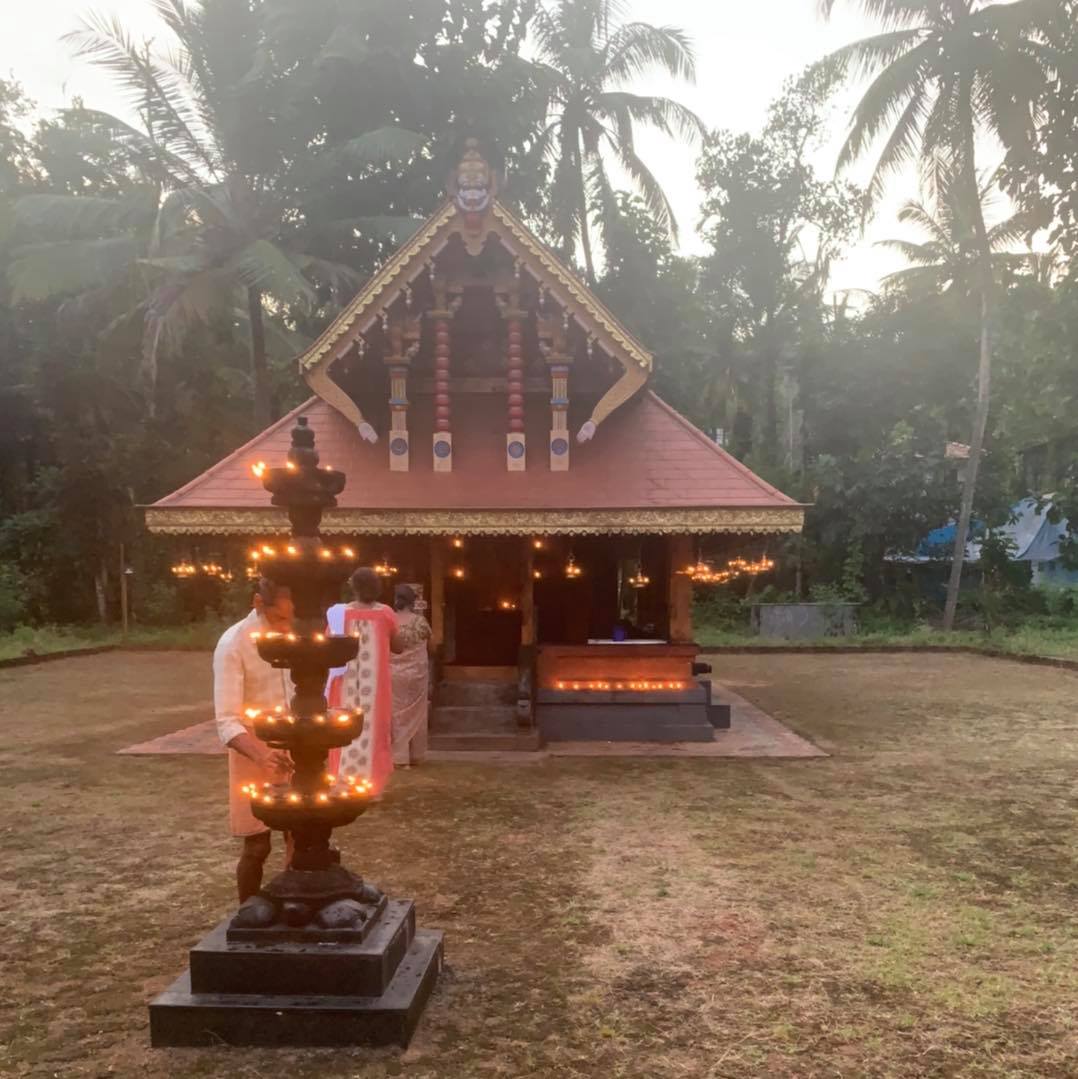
[(242, 680), (365, 681), (411, 680)]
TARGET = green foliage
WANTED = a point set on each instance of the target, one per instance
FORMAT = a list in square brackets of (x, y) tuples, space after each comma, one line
[(14, 601), (774, 228), (585, 58), (287, 147), (1042, 177)]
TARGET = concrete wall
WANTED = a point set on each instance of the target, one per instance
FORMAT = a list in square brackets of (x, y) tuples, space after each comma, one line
[(804, 621)]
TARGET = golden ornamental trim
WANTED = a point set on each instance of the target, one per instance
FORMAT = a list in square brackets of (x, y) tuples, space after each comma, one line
[(424, 238), (762, 520), (582, 295), (365, 298)]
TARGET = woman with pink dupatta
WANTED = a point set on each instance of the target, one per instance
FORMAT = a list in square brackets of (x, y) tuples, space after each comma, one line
[(411, 680), (365, 682)]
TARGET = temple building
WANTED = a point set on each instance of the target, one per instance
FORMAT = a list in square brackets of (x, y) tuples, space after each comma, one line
[(505, 454)]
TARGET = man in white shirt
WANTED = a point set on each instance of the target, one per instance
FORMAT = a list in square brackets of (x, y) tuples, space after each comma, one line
[(242, 680)]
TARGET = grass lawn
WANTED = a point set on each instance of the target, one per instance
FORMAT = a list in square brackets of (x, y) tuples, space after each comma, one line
[(1030, 639), (48, 640), (906, 907), (1060, 642)]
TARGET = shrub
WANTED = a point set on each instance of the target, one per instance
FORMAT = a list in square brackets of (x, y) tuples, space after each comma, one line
[(15, 595)]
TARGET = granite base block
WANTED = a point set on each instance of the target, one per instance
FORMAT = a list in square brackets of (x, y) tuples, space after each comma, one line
[(180, 1017)]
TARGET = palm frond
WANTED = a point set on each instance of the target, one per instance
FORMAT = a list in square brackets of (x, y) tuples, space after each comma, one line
[(917, 213), (918, 254), (263, 265), (668, 116), (918, 280), (43, 271), (83, 217), (892, 14), (650, 189), (638, 48), (384, 228), (153, 159), (155, 89), (872, 55), (342, 279)]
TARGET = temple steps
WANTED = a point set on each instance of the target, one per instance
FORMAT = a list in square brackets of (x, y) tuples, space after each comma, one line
[(474, 719), (523, 742), (479, 714), (454, 673), (477, 694)]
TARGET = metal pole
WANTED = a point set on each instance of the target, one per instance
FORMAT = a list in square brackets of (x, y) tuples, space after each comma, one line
[(123, 589)]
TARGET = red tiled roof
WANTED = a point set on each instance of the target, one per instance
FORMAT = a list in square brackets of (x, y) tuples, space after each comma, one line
[(644, 457)]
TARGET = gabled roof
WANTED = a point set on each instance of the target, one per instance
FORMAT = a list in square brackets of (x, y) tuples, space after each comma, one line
[(359, 314), (648, 470)]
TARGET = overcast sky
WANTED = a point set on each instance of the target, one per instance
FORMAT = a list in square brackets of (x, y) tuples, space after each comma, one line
[(745, 50)]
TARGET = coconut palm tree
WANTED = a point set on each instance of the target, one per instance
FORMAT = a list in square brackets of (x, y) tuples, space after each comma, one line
[(229, 240), (944, 73), (584, 59), (947, 260)]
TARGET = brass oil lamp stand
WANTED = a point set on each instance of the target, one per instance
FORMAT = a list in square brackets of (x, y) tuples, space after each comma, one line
[(318, 956)]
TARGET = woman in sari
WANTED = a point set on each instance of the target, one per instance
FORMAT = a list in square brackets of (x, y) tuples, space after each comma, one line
[(365, 681), (410, 670)]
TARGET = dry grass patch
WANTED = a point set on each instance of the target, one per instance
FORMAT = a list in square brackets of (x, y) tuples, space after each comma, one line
[(903, 909)]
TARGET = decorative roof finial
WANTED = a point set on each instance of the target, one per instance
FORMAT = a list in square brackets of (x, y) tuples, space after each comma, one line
[(473, 186)]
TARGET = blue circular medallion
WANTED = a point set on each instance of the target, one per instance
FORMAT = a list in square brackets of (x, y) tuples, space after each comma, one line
[(559, 447), (398, 447), (442, 449), (516, 450)]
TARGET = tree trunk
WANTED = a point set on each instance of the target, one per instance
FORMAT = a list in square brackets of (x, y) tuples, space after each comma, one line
[(585, 235), (101, 591), (259, 370), (984, 387), (969, 486)]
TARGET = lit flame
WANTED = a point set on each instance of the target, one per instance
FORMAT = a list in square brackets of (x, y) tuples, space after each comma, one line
[(259, 469)]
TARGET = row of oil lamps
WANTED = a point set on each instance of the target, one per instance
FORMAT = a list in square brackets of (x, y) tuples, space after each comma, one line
[(384, 568), (705, 573), (185, 570), (353, 788), (278, 715), (637, 686)]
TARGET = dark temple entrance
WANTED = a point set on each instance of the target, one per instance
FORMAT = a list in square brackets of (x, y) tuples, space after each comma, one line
[(482, 594)]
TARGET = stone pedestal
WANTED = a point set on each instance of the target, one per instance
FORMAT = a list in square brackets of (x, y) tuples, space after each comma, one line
[(304, 988)]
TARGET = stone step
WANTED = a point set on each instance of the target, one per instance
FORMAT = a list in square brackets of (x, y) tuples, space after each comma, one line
[(526, 741), (180, 1017), (365, 969), (486, 719), (476, 694), (479, 674)]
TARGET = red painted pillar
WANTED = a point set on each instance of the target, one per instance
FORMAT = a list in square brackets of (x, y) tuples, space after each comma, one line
[(443, 438), (515, 445)]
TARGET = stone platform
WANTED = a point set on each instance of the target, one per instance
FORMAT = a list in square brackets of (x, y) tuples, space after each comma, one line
[(303, 994)]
